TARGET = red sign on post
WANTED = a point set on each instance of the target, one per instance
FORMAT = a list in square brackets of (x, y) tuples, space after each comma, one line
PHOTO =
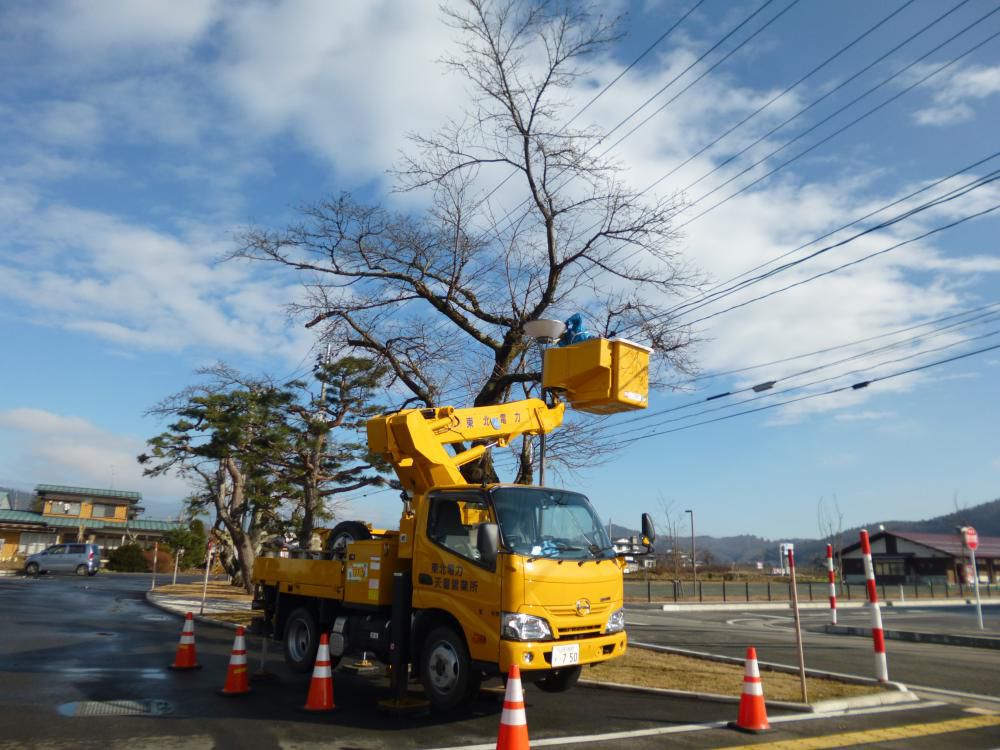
[(971, 537)]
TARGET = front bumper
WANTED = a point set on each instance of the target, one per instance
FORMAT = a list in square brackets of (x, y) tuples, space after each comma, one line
[(531, 655)]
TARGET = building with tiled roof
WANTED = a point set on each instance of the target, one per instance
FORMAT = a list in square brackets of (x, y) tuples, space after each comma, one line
[(63, 513), (912, 557)]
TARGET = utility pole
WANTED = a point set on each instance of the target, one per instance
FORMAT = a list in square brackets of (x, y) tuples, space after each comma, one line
[(694, 567)]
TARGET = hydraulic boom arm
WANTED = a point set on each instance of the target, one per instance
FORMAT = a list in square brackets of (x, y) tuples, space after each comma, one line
[(415, 440)]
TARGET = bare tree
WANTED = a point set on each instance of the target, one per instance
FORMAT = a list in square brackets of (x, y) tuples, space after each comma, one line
[(830, 518), (441, 298), (671, 519)]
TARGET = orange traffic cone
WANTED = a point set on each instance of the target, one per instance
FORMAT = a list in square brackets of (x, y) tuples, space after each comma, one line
[(753, 715), (237, 679), (321, 687), (185, 658), (513, 720)]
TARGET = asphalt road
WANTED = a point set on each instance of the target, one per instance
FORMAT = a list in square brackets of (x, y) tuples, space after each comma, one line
[(953, 668), (69, 646)]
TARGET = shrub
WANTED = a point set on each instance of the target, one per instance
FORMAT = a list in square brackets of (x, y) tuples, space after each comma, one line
[(128, 558), (164, 560)]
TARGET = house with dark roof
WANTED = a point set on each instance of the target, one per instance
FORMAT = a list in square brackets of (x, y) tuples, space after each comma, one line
[(917, 557), (108, 518)]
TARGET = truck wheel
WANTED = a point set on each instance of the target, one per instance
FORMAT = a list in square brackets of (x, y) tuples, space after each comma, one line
[(343, 534), (559, 680), (301, 640), (446, 670)]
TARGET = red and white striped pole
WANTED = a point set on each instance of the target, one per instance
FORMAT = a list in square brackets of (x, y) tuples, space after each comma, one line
[(878, 635), (833, 584)]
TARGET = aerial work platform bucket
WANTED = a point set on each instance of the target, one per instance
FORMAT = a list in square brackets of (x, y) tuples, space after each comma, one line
[(600, 376)]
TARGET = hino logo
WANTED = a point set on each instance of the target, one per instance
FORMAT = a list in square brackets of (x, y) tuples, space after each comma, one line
[(583, 607)]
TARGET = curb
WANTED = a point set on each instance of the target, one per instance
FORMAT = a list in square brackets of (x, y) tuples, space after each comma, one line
[(916, 636), (895, 692), (152, 599)]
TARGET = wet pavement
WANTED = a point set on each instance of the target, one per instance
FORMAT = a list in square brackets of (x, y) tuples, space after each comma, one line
[(83, 663)]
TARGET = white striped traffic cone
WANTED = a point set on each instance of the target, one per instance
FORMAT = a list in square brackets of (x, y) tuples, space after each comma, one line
[(320, 696), (186, 658), (752, 716), (237, 679), (513, 721)]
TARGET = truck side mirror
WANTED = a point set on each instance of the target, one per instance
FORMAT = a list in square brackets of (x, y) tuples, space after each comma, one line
[(488, 542), (648, 532)]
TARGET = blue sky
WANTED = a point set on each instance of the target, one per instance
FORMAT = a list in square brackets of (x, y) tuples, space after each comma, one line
[(139, 136)]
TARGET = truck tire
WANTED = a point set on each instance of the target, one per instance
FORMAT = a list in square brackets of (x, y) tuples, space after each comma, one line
[(446, 670), (344, 533), (559, 680), (301, 638)]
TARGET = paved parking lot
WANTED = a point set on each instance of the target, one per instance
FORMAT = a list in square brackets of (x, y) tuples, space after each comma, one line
[(72, 648)]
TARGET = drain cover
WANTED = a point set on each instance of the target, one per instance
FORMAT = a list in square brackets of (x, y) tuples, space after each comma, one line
[(151, 707)]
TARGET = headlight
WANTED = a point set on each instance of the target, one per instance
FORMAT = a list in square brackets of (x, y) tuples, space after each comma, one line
[(616, 623), (515, 627)]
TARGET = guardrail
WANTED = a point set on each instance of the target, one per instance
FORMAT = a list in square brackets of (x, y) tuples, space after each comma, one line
[(652, 590)]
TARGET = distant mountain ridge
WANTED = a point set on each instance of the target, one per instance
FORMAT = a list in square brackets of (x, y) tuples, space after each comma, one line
[(748, 549)]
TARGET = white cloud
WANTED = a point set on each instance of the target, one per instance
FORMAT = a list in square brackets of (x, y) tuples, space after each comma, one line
[(865, 416), (53, 448), (955, 90)]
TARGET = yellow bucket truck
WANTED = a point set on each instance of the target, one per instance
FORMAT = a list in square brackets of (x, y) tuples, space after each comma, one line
[(477, 577)]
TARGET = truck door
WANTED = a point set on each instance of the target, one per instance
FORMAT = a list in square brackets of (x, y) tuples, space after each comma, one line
[(450, 575)]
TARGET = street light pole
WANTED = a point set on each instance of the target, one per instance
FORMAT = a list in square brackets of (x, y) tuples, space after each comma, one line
[(694, 567)]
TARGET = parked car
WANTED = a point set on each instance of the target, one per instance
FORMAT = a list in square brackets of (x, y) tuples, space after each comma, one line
[(82, 559)]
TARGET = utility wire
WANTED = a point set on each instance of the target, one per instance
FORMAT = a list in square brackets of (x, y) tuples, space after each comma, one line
[(852, 123), (601, 93), (841, 267), (954, 194), (509, 215), (703, 296), (780, 95), (766, 385), (854, 387), (820, 381), (990, 307), (704, 73)]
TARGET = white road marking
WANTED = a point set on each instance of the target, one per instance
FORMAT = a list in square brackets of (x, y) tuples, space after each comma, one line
[(684, 728)]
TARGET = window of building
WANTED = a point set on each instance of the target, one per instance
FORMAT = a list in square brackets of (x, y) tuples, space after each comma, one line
[(101, 510), (30, 543), (65, 508), (894, 568)]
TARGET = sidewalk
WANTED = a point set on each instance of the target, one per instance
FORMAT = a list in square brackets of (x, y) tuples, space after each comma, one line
[(226, 612)]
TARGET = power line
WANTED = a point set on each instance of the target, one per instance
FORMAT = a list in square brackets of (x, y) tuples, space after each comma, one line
[(841, 267), (983, 317), (601, 93), (830, 233), (780, 95), (954, 194), (744, 22), (790, 389), (855, 387), (828, 349), (841, 129), (704, 73)]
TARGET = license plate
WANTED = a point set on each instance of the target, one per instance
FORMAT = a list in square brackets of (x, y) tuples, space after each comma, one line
[(565, 655)]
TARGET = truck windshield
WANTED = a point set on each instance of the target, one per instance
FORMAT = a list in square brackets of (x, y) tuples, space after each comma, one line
[(542, 522)]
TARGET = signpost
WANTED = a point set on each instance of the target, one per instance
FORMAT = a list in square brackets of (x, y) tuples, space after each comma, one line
[(790, 549), (208, 567), (970, 538), (177, 559), (156, 548)]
